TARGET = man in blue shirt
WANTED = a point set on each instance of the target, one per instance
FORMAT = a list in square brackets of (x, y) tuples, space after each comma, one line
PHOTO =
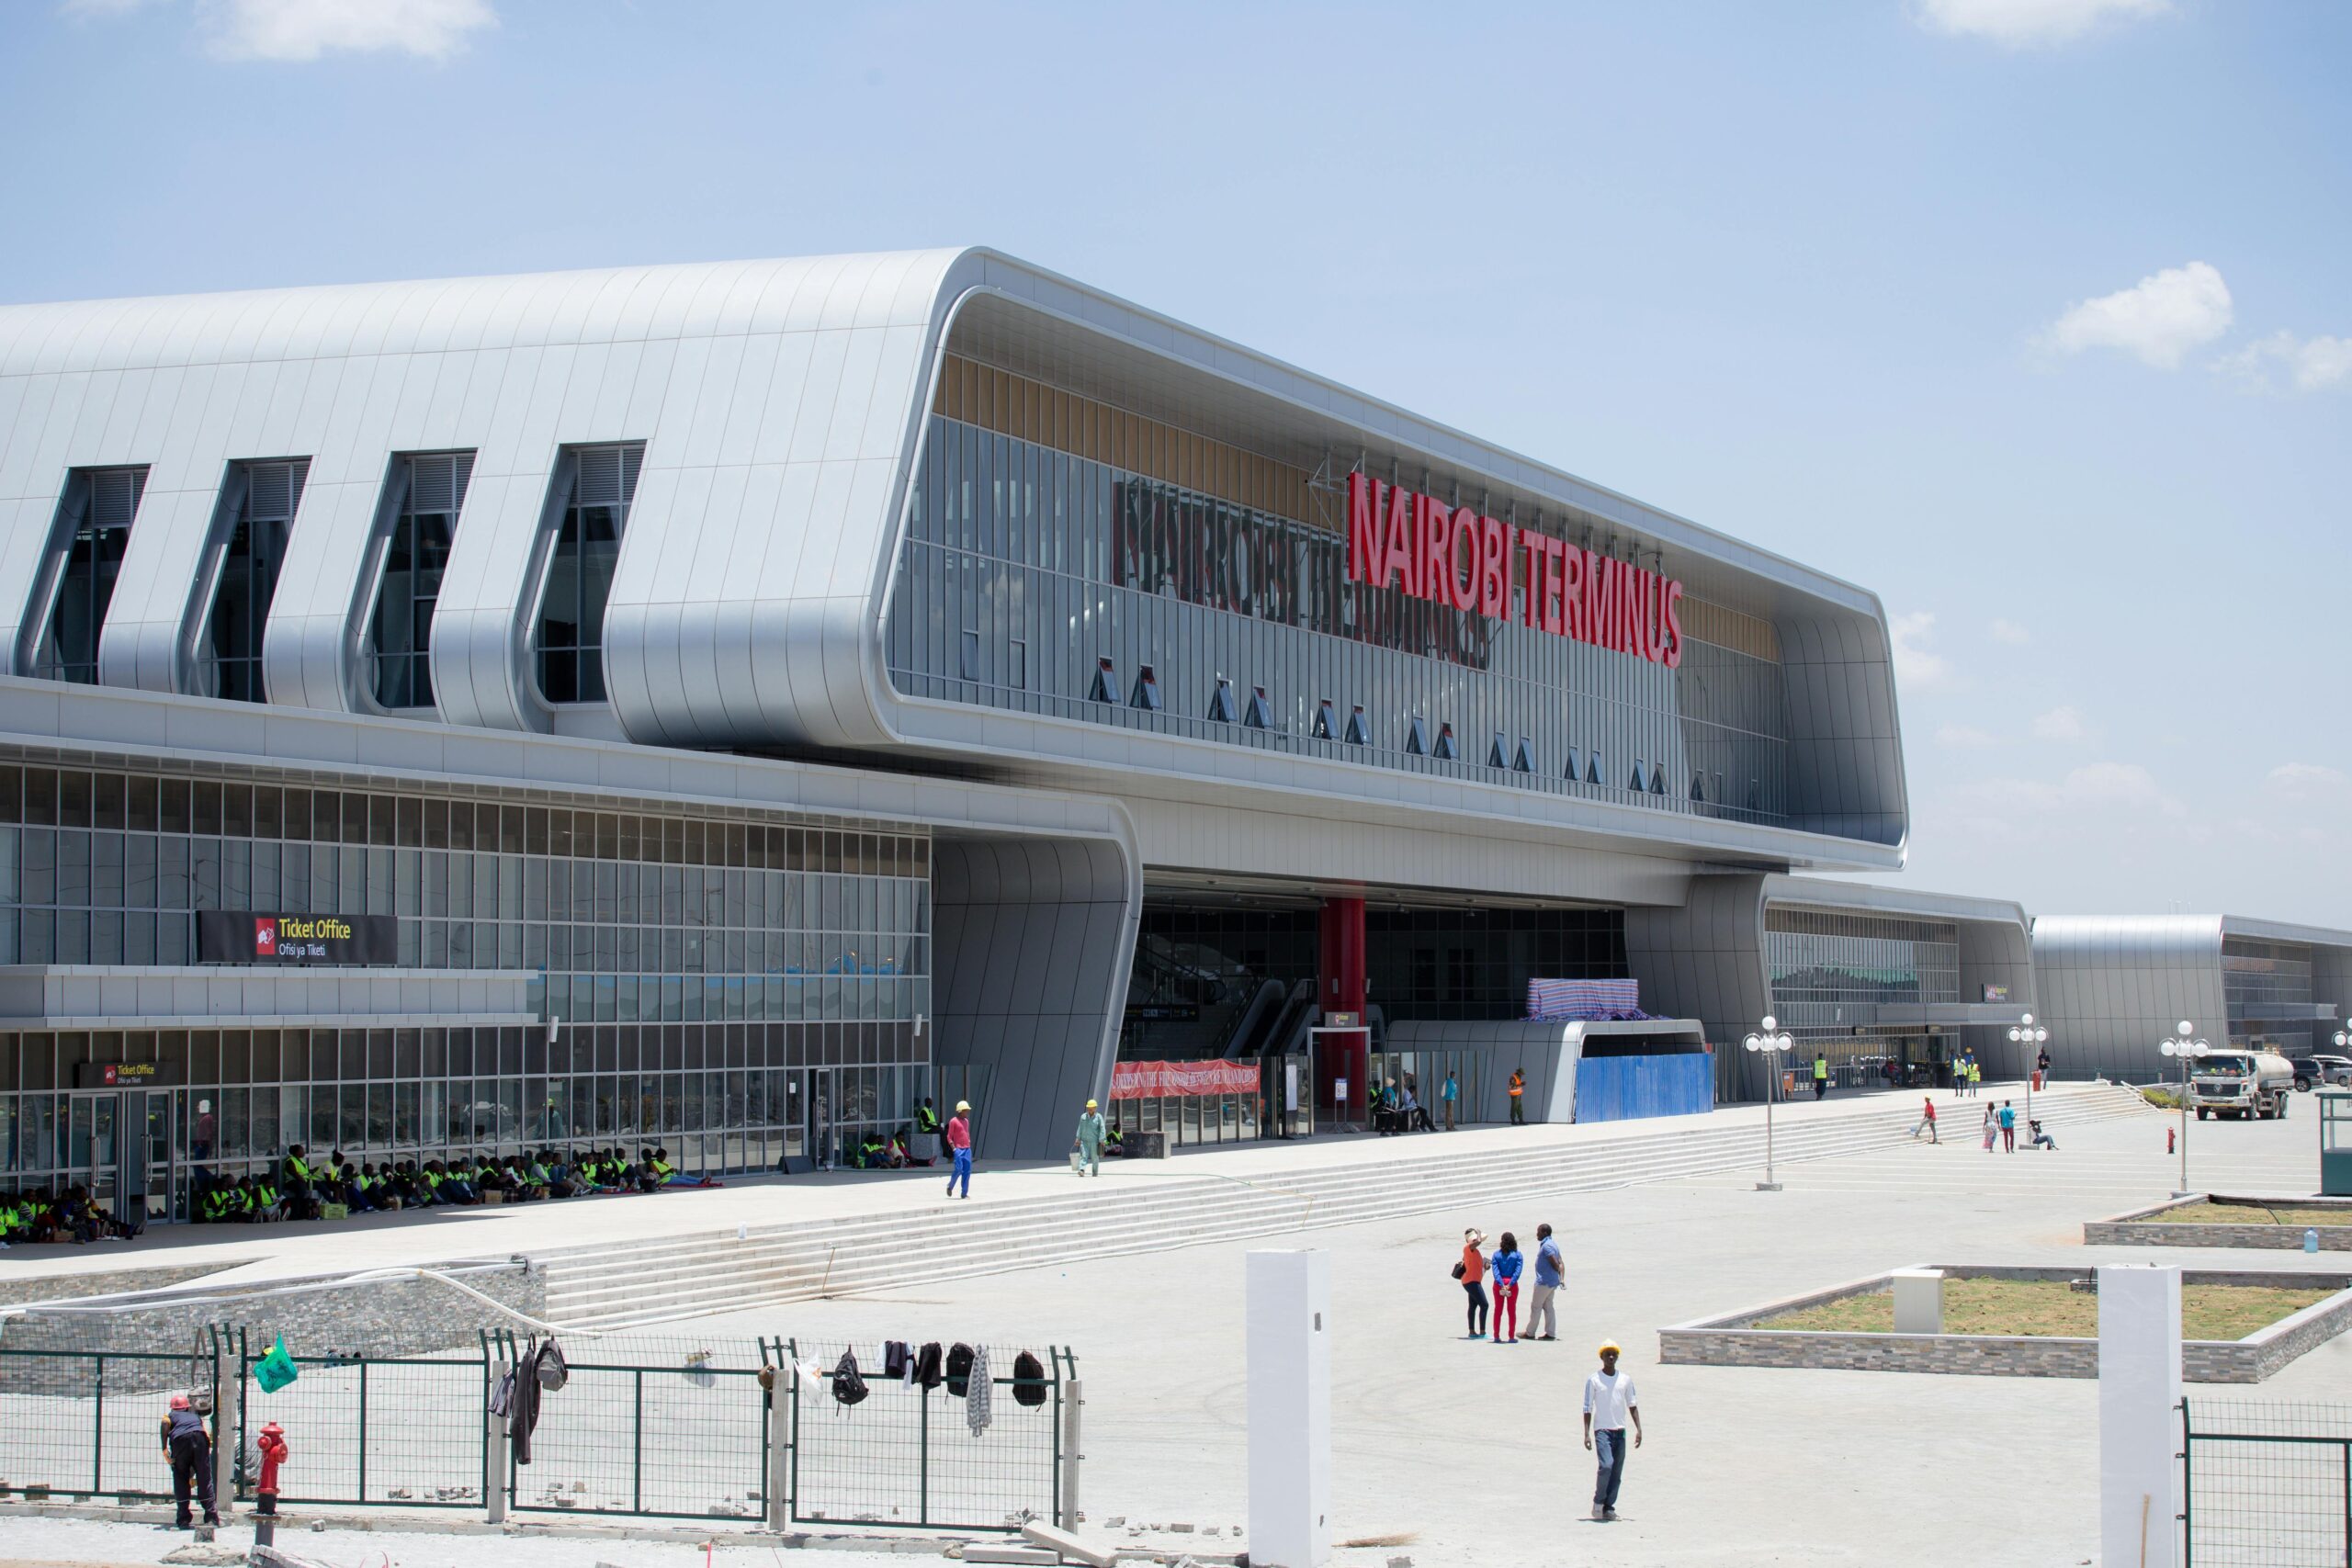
[(1542, 1321)]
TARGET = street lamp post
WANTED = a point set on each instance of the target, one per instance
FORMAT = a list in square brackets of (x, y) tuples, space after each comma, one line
[(2027, 1034), (2188, 1050), (1770, 1043)]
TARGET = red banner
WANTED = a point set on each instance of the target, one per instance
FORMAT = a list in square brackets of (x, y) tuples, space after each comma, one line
[(1144, 1081)]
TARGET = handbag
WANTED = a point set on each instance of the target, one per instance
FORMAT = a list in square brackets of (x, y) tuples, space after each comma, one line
[(1458, 1269)]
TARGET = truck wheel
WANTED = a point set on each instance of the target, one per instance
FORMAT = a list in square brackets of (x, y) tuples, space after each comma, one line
[(2203, 1114)]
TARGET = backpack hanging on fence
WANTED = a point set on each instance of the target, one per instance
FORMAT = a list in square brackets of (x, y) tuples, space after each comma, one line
[(929, 1373), (959, 1368), (550, 1369), (894, 1357), (275, 1370), (849, 1387), (1028, 1381)]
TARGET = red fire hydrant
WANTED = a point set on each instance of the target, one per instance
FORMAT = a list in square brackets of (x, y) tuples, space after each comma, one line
[(273, 1454), (2169, 1134)]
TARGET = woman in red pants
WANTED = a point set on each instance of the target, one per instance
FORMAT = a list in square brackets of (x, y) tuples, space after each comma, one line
[(1507, 1265)]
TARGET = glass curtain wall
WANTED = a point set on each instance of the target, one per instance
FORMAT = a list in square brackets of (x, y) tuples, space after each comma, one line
[(250, 558), (93, 534), (1830, 973), (718, 1097), (1044, 582), (571, 640), (2263, 984), (432, 490)]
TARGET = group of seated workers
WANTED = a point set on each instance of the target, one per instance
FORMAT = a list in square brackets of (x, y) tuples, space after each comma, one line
[(300, 1187), (875, 1152), (70, 1215)]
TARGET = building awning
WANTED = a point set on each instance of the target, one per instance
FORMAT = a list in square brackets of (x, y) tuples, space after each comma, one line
[(1949, 1015)]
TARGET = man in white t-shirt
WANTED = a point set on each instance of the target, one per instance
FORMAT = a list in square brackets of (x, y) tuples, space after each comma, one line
[(1608, 1404)]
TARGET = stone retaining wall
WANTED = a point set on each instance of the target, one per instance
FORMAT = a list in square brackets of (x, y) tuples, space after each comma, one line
[(2140, 1228), (1733, 1340)]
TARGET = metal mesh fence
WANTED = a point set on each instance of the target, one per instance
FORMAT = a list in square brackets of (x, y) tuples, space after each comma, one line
[(910, 1455), (88, 1423), (2269, 1484), (404, 1429), (667, 1426)]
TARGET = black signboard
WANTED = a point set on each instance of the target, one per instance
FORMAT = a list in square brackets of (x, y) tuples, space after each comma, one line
[(1163, 1012), (226, 936), (125, 1075)]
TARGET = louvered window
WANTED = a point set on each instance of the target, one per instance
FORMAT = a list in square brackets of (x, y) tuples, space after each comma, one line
[(432, 489), (262, 497), (580, 572), (93, 532)]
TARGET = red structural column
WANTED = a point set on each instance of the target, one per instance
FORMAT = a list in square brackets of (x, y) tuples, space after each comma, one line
[(1339, 989)]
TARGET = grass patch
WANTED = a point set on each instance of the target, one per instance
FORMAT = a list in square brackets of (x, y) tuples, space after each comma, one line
[(2206, 1212), (2052, 1307), (2163, 1098)]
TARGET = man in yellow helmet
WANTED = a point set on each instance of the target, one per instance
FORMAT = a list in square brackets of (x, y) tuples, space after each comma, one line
[(1090, 1141)]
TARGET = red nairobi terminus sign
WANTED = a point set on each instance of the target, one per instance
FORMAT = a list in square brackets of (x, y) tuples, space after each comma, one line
[(1453, 556)]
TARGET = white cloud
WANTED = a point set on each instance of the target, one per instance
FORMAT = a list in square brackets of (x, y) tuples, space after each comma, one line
[(1915, 664), (2059, 724), (305, 29), (2310, 364), (1965, 737), (2012, 632), (2158, 319), (2030, 24), (2102, 790), (2303, 783)]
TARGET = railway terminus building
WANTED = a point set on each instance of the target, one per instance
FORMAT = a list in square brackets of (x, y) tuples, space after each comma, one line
[(716, 705)]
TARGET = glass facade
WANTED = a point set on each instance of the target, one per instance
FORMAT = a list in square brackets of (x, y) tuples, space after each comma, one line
[(1044, 582), (1200, 972), (1831, 972), (93, 533), (432, 492), (688, 958), (2261, 981), (570, 644), (250, 557)]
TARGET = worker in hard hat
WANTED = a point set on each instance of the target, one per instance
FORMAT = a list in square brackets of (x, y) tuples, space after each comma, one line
[(1090, 1141), (1608, 1404), (959, 1139)]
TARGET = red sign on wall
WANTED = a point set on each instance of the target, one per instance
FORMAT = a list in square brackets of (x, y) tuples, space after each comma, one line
[(1453, 556), (1144, 1081)]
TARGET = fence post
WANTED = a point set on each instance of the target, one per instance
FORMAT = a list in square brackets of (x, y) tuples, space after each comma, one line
[(493, 1446), (792, 1489), (1073, 1399), (2141, 1499), (98, 1430), (778, 1398)]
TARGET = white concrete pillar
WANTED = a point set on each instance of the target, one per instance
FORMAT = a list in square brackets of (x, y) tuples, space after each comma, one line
[(2139, 1423), (1289, 1334), (1918, 1301)]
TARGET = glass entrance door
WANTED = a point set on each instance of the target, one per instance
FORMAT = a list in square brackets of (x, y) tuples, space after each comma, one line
[(820, 1117), (155, 1154)]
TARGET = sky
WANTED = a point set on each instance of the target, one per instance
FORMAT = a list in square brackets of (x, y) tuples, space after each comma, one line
[(2032, 316)]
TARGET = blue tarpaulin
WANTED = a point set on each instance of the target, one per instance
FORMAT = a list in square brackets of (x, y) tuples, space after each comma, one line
[(1620, 1089)]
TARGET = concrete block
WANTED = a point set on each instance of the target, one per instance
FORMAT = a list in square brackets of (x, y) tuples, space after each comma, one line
[(1918, 1301), (1030, 1554), (1289, 1358), (1067, 1545), (2138, 1393)]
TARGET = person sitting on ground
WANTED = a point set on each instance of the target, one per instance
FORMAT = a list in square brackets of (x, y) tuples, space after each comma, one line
[(641, 1175), (454, 1185), (873, 1152), (662, 1165), (2040, 1140), (553, 1174), (294, 1182)]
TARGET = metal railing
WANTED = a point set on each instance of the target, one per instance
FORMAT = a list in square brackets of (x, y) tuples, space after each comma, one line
[(2266, 1484), (665, 1428)]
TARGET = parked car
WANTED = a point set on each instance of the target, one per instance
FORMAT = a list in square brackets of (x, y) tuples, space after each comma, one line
[(2312, 1071)]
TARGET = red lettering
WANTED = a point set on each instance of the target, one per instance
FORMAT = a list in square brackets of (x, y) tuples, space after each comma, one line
[(1460, 529), (1494, 568), (1673, 625), (1558, 558), (1367, 545), (1432, 540), (1397, 554), (1572, 588)]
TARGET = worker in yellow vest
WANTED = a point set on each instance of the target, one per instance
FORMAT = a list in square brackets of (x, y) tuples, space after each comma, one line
[(1518, 1098)]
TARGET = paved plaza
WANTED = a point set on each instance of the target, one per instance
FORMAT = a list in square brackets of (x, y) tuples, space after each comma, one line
[(1472, 1449)]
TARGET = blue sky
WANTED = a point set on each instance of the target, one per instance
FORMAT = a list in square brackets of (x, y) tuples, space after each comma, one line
[(2033, 315)]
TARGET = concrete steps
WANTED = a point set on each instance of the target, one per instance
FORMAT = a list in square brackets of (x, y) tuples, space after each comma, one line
[(662, 1279)]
